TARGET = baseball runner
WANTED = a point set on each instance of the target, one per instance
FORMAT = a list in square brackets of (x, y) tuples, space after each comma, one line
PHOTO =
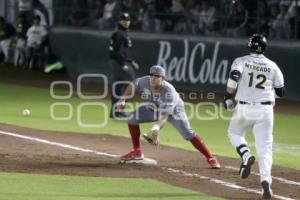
[(164, 104), (252, 81)]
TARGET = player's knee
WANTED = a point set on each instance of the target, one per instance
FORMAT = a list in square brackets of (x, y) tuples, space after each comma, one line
[(235, 139), (132, 120), (188, 135), (229, 134)]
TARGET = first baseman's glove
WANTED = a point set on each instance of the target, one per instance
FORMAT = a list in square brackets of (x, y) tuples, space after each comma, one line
[(152, 137)]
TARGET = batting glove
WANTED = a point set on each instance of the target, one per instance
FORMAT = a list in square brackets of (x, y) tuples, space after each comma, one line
[(229, 105)]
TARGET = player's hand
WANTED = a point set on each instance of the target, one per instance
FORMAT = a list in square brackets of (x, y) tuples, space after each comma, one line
[(229, 105), (135, 65), (125, 68), (120, 104)]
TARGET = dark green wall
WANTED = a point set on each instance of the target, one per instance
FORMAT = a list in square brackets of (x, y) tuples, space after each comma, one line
[(193, 63)]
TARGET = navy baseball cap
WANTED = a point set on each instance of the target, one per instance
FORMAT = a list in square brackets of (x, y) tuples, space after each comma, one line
[(125, 17), (157, 70)]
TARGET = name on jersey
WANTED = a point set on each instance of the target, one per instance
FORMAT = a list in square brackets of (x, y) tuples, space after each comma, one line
[(258, 68)]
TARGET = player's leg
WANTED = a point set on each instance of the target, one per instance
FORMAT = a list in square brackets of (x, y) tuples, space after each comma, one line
[(116, 94), (1, 53), (238, 126), (263, 133), (143, 114), (5, 48), (181, 123), (16, 54), (19, 56), (130, 73), (117, 87), (22, 51), (121, 81), (29, 54)]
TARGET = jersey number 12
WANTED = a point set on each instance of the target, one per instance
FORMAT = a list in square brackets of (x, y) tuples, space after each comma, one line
[(262, 79)]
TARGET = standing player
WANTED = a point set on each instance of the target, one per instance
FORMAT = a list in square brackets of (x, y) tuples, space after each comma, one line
[(164, 105), (254, 78), (22, 27), (121, 60), (37, 39), (7, 35)]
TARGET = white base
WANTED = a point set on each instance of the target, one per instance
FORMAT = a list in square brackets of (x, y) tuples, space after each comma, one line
[(145, 161)]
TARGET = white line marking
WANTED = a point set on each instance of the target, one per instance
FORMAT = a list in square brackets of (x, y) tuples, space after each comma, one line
[(224, 183), (221, 182), (273, 177), (59, 144)]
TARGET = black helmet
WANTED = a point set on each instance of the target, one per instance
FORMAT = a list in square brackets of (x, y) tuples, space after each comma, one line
[(125, 17), (257, 43)]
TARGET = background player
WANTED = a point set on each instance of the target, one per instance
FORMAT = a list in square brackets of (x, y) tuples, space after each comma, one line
[(166, 105), (7, 35), (22, 27), (121, 61), (254, 78), (36, 40)]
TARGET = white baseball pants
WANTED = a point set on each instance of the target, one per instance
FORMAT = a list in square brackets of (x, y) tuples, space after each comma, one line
[(259, 119)]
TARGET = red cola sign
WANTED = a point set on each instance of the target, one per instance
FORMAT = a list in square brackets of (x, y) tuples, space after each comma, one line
[(193, 65)]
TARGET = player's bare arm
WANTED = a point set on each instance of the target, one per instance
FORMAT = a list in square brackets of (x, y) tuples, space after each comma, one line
[(160, 122), (135, 65)]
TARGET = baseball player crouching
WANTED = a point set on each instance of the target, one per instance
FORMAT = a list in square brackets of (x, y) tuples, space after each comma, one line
[(164, 105), (252, 81)]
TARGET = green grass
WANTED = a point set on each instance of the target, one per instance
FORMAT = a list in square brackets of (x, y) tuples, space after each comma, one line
[(15, 98), (15, 186)]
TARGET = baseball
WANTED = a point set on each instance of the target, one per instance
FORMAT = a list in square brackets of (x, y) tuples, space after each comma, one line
[(26, 112)]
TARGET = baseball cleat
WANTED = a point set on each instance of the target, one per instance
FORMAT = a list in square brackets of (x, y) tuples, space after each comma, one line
[(214, 163), (140, 161), (267, 191), (135, 156), (245, 168)]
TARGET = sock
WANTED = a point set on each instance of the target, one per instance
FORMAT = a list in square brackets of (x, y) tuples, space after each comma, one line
[(243, 151), (201, 146), (135, 136)]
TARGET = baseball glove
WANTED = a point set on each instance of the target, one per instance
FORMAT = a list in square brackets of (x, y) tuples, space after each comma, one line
[(152, 137)]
